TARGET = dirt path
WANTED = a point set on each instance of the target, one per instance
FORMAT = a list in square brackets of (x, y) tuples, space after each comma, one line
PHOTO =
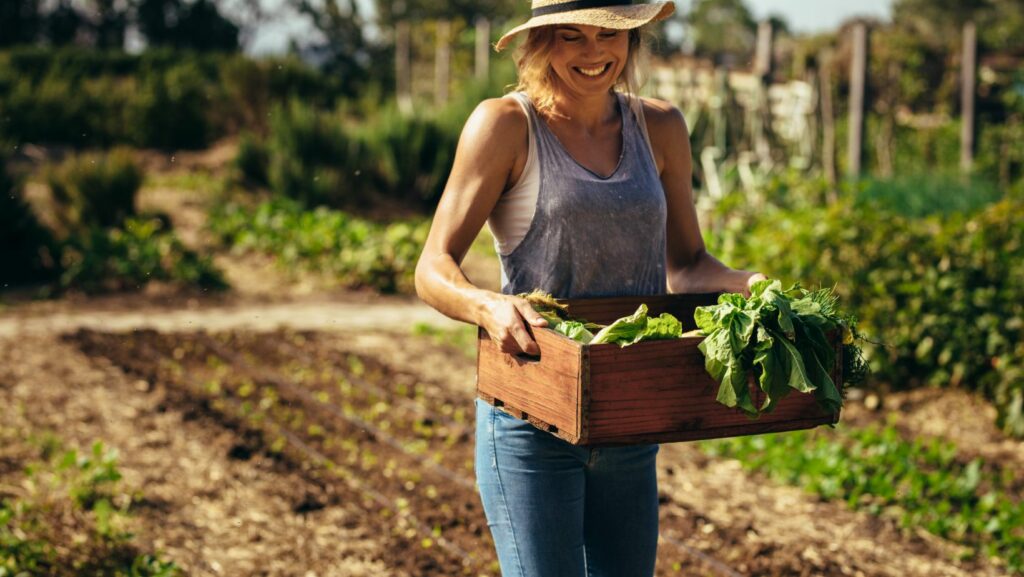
[(356, 313)]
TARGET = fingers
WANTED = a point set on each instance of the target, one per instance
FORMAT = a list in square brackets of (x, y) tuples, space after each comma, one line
[(524, 340), (529, 315), (512, 327)]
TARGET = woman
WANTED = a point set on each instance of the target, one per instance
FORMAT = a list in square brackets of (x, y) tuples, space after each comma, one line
[(587, 192)]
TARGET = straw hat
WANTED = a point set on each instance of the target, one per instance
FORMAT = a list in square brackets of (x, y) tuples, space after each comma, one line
[(617, 14)]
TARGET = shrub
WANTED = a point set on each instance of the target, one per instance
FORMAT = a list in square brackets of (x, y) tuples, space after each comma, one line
[(104, 245), (310, 156), (170, 109), (924, 194), (128, 257), (95, 190), (341, 159), (252, 159), (160, 98), (28, 248)]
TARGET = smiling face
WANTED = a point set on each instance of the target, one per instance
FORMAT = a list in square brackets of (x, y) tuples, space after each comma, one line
[(588, 60)]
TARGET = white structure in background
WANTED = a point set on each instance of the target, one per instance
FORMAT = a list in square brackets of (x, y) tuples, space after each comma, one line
[(698, 89)]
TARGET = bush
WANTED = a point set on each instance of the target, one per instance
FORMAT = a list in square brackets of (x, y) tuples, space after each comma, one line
[(104, 245), (343, 160), (94, 190), (310, 156), (941, 293), (128, 257), (28, 248), (170, 109), (252, 159), (160, 98), (925, 194)]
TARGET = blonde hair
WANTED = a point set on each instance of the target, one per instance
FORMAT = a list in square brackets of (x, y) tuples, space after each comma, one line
[(537, 79)]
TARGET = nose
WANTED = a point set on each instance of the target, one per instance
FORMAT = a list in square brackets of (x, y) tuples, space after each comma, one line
[(592, 47)]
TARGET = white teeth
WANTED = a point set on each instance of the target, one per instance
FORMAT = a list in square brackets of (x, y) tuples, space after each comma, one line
[(593, 71)]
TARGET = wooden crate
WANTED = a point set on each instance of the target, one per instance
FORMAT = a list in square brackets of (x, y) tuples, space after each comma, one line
[(649, 392)]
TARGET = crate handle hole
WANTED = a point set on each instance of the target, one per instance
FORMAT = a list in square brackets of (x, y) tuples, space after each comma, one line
[(525, 358)]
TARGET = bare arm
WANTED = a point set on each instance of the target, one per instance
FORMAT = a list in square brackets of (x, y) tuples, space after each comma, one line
[(487, 153), (691, 268)]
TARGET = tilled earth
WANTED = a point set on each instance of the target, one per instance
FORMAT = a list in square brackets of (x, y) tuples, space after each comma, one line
[(310, 453)]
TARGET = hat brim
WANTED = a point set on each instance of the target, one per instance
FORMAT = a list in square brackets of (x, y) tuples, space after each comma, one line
[(615, 17)]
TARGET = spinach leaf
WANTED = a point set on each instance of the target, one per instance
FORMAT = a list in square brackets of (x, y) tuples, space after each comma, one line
[(780, 335)]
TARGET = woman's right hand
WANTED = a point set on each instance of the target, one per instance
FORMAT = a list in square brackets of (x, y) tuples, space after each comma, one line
[(505, 318)]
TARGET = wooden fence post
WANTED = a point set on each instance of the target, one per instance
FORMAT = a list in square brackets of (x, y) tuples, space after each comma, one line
[(858, 74), (403, 72), (968, 67), (828, 121), (483, 47), (763, 69), (763, 59), (442, 62)]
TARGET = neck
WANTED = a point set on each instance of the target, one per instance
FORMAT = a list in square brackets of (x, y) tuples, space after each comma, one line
[(589, 111)]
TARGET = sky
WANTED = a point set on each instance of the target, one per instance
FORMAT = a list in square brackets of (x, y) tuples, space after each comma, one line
[(818, 15), (802, 15)]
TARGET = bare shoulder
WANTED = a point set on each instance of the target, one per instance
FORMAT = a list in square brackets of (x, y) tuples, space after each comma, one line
[(497, 121), (664, 120)]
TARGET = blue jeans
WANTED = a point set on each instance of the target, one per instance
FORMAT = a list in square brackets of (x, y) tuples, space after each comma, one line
[(557, 510)]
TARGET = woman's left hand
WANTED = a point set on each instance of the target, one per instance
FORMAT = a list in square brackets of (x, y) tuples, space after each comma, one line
[(753, 278)]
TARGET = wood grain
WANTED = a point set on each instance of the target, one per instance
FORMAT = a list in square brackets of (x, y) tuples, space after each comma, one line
[(546, 388)]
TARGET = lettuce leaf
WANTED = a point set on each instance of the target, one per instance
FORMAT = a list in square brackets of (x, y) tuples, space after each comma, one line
[(575, 330), (624, 331)]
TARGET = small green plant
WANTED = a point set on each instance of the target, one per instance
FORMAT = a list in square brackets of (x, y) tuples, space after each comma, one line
[(72, 518), (357, 252)]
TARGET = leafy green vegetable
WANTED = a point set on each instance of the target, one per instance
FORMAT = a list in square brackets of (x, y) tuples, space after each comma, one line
[(575, 330), (664, 326), (624, 331), (780, 334)]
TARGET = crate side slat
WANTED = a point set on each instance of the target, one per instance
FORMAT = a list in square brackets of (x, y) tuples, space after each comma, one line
[(661, 387), (708, 433), (546, 390)]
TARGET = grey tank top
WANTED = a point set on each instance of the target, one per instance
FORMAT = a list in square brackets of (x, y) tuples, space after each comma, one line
[(592, 236)]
